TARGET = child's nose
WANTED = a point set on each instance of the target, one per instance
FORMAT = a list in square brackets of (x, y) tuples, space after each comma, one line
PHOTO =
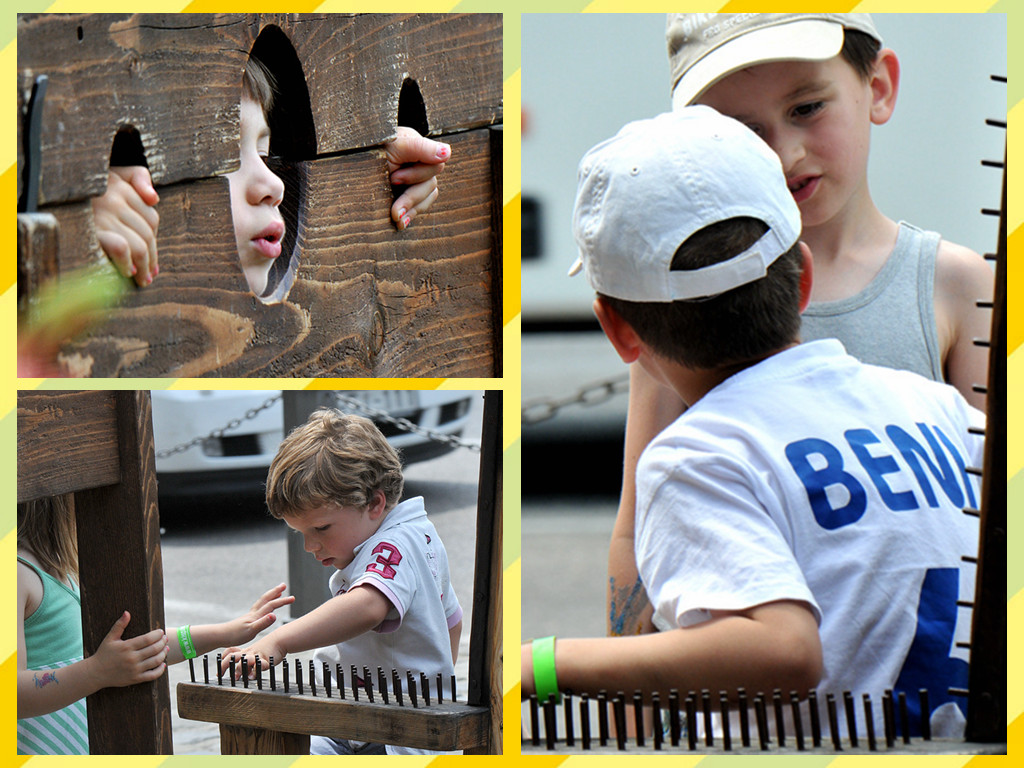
[(788, 145), (266, 187)]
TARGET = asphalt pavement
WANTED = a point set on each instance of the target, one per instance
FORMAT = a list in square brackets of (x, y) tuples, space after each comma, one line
[(220, 555)]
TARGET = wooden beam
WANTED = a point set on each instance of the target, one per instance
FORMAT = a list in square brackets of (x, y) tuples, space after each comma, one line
[(120, 569), (485, 645), (67, 441), (444, 726)]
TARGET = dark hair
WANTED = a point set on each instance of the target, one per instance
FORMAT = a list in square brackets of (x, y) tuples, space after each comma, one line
[(860, 51), (258, 84), (738, 326)]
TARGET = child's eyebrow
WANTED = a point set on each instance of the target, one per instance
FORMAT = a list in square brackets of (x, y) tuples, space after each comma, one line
[(807, 89)]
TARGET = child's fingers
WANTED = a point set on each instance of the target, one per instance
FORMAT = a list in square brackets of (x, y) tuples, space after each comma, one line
[(414, 174), (409, 147), (262, 623), (118, 251), (413, 201), (269, 595), (140, 180), (118, 628)]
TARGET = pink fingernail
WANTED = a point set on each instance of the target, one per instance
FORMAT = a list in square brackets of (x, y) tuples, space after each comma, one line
[(134, 270), (405, 221), (443, 151)]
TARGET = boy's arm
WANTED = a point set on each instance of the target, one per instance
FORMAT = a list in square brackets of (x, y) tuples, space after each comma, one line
[(207, 637), (339, 619), (774, 645), (652, 407), (454, 635), (962, 278)]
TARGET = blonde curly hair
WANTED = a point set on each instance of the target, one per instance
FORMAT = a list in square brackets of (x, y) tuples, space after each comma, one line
[(335, 458)]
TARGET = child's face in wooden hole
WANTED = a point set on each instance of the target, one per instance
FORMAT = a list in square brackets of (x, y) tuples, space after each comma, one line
[(256, 193), (332, 532)]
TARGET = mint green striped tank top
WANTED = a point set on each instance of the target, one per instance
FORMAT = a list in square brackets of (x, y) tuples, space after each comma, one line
[(53, 639)]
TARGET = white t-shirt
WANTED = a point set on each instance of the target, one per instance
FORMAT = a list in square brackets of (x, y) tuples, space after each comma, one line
[(813, 477), (406, 560)]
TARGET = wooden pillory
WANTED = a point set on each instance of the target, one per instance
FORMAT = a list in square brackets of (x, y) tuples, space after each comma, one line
[(350, 295), (98, 445)]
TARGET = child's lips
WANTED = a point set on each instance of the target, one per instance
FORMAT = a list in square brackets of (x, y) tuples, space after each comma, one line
[(327, 561), (268, 242), (802, 187)]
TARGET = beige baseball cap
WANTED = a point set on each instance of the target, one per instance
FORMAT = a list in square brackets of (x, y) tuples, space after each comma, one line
[(705, 47)]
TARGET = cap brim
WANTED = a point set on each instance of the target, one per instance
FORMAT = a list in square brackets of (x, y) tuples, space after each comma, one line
[(802, 40), (577, 267)]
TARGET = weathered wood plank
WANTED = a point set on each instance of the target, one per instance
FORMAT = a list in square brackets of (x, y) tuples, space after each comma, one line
[(367, 300), (444, 726), (67, 441), (239, 740), (120, 569), (38, 246), (355, 67), (175, 78)]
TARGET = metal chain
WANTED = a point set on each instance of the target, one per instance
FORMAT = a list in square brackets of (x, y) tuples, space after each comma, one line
[(217, 433), (351, 402), (404, 424), (543, 408)]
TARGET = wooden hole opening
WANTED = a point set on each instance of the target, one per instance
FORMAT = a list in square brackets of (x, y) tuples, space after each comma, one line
[(292, 142)]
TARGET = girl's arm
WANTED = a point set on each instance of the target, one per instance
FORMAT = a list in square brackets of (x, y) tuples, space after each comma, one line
[(652, 407), (116, 663), (207, 637), (775, 645), (339, 619)]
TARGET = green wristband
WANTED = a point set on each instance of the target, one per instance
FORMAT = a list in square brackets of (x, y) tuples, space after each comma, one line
[(188, 650), (544, 679)]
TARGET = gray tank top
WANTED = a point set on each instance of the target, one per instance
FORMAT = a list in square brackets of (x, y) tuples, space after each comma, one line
[(892, 321)]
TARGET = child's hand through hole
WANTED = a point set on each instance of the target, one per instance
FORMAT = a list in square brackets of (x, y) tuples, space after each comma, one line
[(126, 222), (414, 162)]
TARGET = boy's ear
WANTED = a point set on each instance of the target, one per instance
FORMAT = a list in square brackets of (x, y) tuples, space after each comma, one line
[(377, 504), (885, 83), (619, 332), (806, 276)]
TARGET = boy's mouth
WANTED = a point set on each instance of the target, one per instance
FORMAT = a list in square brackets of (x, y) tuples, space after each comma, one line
[(327, 561), (268, 242), (802, 187)]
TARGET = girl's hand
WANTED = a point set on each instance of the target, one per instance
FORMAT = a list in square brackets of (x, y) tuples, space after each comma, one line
[(126, 222), (260, 616), (118, 663), (413, 164)]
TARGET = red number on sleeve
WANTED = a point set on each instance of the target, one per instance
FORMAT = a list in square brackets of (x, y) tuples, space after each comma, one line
[(388, 557)]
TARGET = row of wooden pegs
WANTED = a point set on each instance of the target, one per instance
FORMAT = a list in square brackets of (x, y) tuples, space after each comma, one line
[(359, 684), (686, 718)]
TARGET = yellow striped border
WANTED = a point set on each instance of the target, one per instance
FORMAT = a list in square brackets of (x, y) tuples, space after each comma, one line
[(510, 382)]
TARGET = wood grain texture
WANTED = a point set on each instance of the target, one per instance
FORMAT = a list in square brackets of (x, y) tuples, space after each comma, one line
[(176, 79), (67, 441), (120, 569), (367, 299), (440, 726), (239, 740), (38, 246)]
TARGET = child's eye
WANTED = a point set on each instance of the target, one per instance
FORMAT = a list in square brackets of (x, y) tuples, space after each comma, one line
[(322, 528), (809, 109)]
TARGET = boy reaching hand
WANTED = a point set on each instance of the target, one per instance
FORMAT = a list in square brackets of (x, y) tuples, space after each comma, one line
[(337, 482)]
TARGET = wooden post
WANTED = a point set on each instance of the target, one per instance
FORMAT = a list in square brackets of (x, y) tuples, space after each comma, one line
[(485, 646), (986, 703), (307, 579)]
